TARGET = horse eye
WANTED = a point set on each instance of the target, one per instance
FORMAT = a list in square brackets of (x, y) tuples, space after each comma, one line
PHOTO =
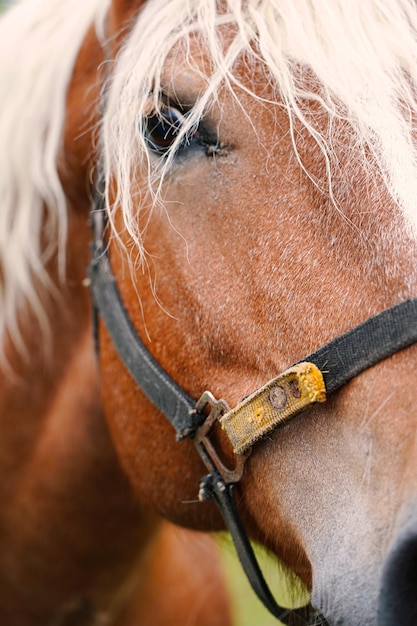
[(162, 128)]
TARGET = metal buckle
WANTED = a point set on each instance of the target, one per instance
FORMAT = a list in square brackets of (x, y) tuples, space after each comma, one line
[(204, 445)]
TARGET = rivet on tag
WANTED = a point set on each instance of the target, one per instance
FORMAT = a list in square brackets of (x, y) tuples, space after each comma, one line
[(295, 390), (278, 397)]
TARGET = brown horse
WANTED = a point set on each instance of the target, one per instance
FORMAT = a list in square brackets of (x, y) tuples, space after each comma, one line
[(257, 165)]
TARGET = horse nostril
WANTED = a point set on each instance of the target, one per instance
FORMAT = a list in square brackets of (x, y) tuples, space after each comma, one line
[(398, 597)]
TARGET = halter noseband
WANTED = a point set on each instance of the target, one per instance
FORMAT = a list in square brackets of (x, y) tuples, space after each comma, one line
[(282, 398)]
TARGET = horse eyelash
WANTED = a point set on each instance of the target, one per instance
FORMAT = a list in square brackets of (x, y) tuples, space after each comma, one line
[(165, 120)]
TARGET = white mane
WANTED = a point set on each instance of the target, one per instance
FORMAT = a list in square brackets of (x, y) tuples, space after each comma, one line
[(364, 53), (39, 41)]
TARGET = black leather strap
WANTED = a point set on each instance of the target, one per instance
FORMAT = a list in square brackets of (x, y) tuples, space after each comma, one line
[(179, 408), (339, 360), (367, 344), (160, 388), (215, 487)]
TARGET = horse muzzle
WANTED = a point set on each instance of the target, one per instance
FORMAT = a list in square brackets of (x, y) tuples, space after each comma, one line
[(398, 596)]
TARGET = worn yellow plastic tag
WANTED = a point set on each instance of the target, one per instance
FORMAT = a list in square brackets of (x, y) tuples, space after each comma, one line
[(279, 400)]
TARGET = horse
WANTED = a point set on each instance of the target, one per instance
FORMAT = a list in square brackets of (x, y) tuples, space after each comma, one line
[(252, 168)]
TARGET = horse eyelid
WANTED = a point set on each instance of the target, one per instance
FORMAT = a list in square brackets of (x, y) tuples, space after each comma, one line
[(160, 128)]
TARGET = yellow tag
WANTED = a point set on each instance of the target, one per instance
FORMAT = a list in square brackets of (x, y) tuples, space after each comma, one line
[(282, 398)]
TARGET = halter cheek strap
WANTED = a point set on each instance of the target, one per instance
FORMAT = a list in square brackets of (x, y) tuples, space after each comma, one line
[(281, 399)]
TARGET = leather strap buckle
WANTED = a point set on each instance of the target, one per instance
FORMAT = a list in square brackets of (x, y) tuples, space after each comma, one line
[(205, 447)]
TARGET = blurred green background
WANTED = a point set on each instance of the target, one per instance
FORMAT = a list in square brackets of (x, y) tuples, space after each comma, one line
[(248, 611)]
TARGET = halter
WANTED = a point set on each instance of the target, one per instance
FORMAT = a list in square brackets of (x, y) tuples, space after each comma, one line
[(302, 385)]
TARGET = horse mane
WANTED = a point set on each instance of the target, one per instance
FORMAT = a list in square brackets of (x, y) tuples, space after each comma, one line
[(39, 42), (362, 54)]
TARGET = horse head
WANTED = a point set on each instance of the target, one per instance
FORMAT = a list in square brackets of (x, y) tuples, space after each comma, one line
[(256, 164), (266, 195)]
